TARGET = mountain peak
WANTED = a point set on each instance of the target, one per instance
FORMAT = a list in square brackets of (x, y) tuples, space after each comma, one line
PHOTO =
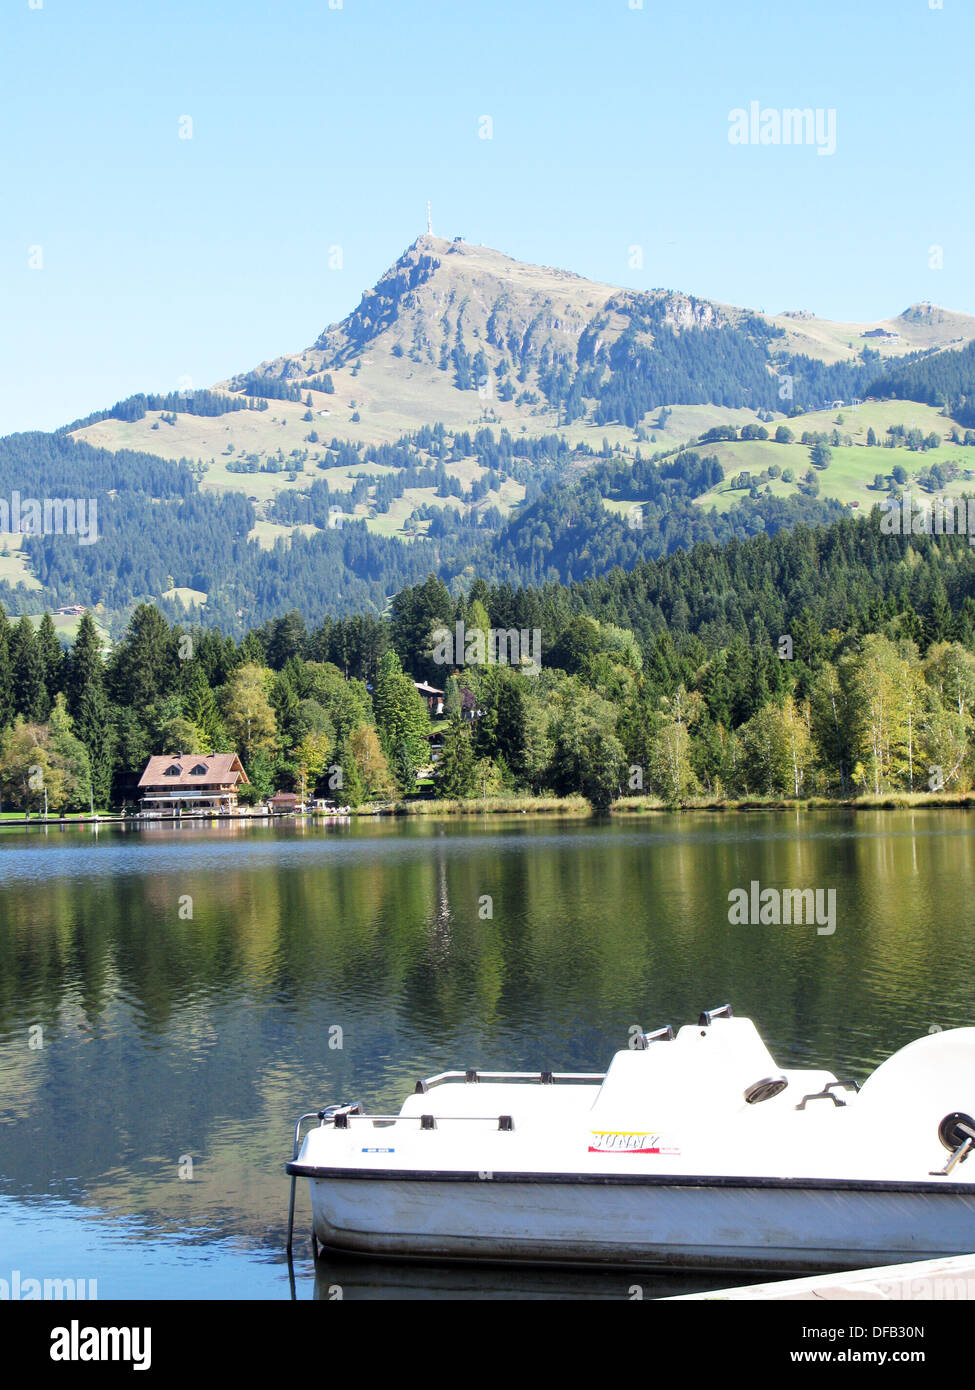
[(927, 325), (441, 295), (462, 333), (923, 312)]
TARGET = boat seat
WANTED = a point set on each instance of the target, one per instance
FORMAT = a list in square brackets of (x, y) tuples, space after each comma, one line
[(908, 1096), (714, 1066)]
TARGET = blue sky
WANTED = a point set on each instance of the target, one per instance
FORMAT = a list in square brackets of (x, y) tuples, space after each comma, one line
[(163, 258)]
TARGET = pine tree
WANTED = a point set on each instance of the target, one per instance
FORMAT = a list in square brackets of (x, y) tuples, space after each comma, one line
[(404, 767), (52, 658), (94, 729), (144, 667), (85, 667), (200, 706), (401, 717), (452, 703), (88, 706), (6, 673), (30, 693), (511, 706), (455, 770)]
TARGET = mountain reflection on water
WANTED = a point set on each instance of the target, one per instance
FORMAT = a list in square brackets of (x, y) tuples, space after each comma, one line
[(171, 1000)]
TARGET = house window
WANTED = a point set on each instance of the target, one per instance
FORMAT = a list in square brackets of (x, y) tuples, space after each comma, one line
[(198, 771), (173, 771)]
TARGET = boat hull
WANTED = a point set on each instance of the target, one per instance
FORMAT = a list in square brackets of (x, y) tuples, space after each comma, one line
[(737, 1224)]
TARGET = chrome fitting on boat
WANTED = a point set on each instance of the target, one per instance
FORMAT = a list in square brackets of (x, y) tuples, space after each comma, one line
[(665, 1034), (827, 1093), (766, 1089), (957, 1132), (709, 1015)]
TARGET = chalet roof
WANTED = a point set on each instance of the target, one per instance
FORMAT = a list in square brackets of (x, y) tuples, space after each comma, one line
[(225, 769), (425, 689)]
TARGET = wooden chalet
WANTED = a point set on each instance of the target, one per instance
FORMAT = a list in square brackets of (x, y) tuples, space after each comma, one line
[(187, 782)]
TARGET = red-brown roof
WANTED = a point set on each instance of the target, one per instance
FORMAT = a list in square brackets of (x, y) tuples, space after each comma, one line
[(224, 769)]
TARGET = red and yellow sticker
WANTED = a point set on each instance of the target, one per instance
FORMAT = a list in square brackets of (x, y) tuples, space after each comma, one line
[(628, 1141)]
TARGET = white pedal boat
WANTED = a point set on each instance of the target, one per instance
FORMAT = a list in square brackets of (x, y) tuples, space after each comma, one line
[(690, 1152)]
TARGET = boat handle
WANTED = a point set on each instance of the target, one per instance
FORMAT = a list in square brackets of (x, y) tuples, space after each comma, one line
[(544, 1077), (709, 1015), (335, 1113), (319, 1115), (665, 1034), (961, 1152), (827, 1093)]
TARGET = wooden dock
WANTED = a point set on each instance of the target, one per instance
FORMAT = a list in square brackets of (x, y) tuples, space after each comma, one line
[(952, 1278), (141, 820)]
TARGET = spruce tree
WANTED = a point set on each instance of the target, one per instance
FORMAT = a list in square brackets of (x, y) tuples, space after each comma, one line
[(30, 692), (200, 706), (455, 770), (88, 706), (6, 673), (96, 732), (52, 658), (84, 667), (144, 666), (404, 767), (401, 716)]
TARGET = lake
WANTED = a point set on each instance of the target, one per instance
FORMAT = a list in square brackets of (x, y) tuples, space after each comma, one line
[(171, 999)]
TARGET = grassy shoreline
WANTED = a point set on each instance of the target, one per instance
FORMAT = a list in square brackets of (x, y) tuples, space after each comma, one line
[(476, 806), (642, 805), (576, 807), (885, 801)]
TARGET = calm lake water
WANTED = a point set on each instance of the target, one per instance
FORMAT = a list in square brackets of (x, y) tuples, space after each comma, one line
[(187, 984)]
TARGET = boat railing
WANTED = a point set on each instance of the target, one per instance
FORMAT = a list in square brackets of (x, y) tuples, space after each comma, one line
[(543, 1078), (340, 1116), (424, 1121), (308, 1115)]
